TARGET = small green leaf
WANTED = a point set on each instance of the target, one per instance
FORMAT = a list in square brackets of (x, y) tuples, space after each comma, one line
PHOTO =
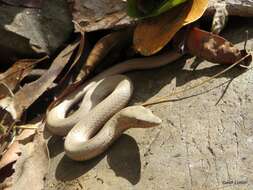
[(167, 6), (133, 8)]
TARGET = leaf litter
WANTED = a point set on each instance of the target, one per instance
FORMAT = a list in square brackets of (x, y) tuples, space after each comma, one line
[(26, 152), (33, 156)]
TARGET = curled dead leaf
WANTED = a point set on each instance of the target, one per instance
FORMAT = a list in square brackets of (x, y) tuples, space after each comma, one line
[(208, 46), (153, 34)]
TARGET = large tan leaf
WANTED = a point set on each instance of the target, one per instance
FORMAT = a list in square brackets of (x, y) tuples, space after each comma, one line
[(153, 34)]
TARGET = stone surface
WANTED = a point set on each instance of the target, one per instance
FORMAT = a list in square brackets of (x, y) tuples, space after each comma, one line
[(204, 142), (27, 31)]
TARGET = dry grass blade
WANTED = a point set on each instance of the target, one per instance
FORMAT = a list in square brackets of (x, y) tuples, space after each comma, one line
[(167, 98)]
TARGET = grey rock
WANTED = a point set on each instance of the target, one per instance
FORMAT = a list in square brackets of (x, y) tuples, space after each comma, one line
[(28, 31)]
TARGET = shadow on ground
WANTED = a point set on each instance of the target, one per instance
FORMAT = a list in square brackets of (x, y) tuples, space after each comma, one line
[(144, 91), (123, 158)]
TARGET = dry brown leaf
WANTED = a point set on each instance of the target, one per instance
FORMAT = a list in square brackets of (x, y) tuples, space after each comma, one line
[(153, 34), (99, 51), (18, 71), (13, 151), (210, 47), (102, 48), (78, 55), (12, 107), (32, 91), (11, 155), (5, 91), (31, 167)]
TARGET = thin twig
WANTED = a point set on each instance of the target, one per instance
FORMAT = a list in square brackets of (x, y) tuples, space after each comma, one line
[(26, 127), (78, 27), (246, 39)]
